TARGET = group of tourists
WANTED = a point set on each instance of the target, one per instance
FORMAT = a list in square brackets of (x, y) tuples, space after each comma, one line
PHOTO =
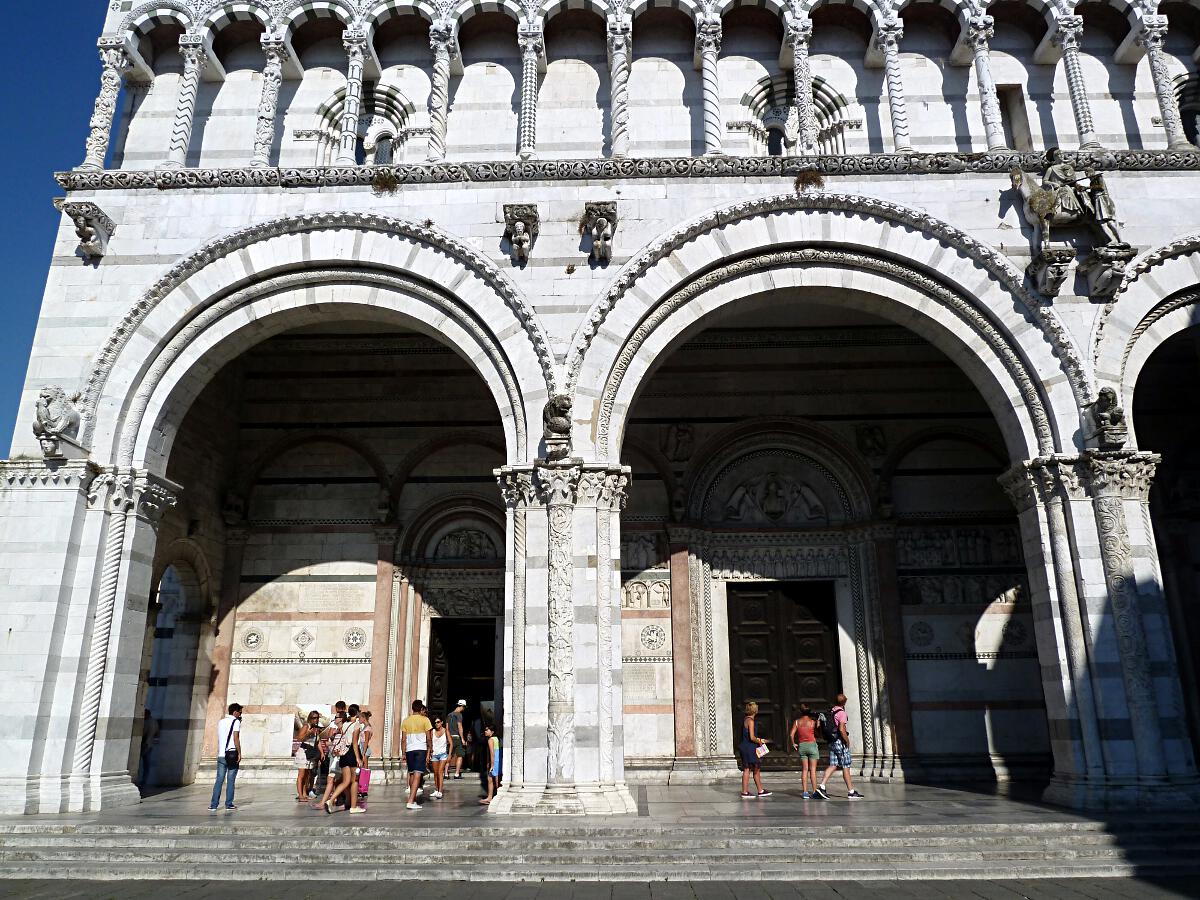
[(808, 725), (333, 757)]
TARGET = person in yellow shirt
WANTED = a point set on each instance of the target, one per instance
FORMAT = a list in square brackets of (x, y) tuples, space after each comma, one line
[(417, 736)]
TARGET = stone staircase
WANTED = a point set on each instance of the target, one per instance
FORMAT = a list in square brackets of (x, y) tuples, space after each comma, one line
[(595, 851)]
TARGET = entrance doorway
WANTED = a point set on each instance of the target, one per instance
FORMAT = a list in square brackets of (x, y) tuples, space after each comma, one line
[(462, 664), (783, 651)]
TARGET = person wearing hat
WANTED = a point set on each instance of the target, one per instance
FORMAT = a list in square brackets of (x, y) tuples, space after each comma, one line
[(229, 756), (457, 743)]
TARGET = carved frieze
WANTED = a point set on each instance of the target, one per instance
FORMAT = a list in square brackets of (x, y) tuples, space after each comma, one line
[(957, 546), (968, 589), (465, 601), (646, 594), (778, 563), (466, 544), (642, 551)]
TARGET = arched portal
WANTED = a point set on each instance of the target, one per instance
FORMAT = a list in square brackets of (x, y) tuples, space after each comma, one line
[(816, 511)]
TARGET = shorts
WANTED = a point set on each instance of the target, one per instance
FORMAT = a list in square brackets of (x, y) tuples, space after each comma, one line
[(839, 755), (808, 750), (415, 759), (750, 757), (347, 760), (440, 757), (456, 748)]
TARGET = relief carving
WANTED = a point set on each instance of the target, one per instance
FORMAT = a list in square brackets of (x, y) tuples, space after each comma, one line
[(646, 595), (774, 499), (466, 543), (56, 424), (972, 590), (465, 602), (640, 552)]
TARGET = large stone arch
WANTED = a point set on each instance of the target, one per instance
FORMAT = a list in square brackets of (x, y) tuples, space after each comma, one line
[(397, 271), (1159, 297), (963, 296)]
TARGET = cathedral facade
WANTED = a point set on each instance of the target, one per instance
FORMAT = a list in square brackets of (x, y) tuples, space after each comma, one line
[(610, 365)]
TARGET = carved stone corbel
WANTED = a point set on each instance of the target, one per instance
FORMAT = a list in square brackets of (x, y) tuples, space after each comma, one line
[(521, 222), (1105, 270), (92, 225), (600, 220), (1049, 269), (56, 424)]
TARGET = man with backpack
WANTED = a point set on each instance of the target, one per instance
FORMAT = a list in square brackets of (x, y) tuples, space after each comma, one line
[(837, 735)]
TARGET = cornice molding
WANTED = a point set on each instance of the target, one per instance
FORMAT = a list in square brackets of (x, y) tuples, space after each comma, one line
[(625, 168)]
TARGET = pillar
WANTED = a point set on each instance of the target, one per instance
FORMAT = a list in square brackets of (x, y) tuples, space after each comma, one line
[(799, 33), (563, 697), (224, 621), (883, 539), (443, 44), (887, 40), (191, 48), (708, 48), (620, 35), (1067, 38), (116, 64), (530, 39), (268, 101), (979, 32), (1153, 33), (355, 42), (381, 630)]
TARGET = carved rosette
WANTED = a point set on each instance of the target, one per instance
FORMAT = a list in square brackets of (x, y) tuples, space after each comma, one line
[(887, 41), (268, 101), (116, 65)]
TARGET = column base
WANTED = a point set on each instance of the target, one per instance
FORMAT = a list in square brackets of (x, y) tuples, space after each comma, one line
[(50, 794), (1089, 146), (705, 770), (564, 800), (1183, 145), (1123, 793)]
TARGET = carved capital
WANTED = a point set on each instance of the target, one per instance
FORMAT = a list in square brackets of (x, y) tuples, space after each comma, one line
[(1127, 474), (1049, 269), (1105, 268), (1068, 32), (1153, 32), (355, 42), (620, 31), (557, 484), (708, 34), (122, 491), (798, 32), (516, 486), (1042, 480), (980, 30), (605, 488), (113, 55), (531, 40), (888, 37)]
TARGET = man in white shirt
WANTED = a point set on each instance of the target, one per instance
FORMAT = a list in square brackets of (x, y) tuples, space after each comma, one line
[(229, 756)]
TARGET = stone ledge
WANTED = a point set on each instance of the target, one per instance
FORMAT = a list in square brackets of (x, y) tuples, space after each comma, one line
[(626, 168)]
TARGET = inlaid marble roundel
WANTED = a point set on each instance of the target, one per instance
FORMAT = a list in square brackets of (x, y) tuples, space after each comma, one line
[(354, 639), (653, 637), (920, 634), (253, 639)]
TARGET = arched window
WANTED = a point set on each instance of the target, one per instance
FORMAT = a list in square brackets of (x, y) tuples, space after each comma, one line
[(383, 117), (775, 138), (383, 149)]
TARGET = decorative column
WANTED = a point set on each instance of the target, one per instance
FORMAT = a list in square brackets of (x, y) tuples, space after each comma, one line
[(116, 64), (979, 32), (888, 42), (268, 101), (191, 48), (799, 33), (620, 34), (1153, 33), (381, 635), (1067, 38), (134, 503), (355, 42), (532, 44), (443, 44), (708, 47)]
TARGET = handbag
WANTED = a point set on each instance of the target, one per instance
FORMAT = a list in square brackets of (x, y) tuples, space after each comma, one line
[(231, 756), (364, 780)]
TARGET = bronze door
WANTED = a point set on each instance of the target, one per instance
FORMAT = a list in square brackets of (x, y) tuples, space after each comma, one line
[(783, 652)]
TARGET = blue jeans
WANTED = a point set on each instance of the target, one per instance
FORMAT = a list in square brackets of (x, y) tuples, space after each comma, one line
[(222, 771)]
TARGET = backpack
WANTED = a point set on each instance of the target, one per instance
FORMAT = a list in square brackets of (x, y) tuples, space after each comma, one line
[(828, 726)]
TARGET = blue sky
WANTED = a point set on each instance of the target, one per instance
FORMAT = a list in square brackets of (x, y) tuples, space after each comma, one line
[(51, 76)]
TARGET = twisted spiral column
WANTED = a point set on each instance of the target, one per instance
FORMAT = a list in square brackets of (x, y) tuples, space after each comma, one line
[(799, 34), (119, 502), (1152, 36), (531, 43), (979, 32), (191, 48), (888, 42), (116, 64), (268, 101), (355, 42), (1067, 38), (619, 37), (441, 42), (708, 43)]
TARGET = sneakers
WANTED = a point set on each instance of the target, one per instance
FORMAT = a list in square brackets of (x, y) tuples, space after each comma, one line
[(436, 795), (412, 806), (328, 807), (820, 793), (212, 809), (806, 796), (748, 796), (762, 794), (854, 795), (231, 807), (420, 791), (357, 809), (459, 775)]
